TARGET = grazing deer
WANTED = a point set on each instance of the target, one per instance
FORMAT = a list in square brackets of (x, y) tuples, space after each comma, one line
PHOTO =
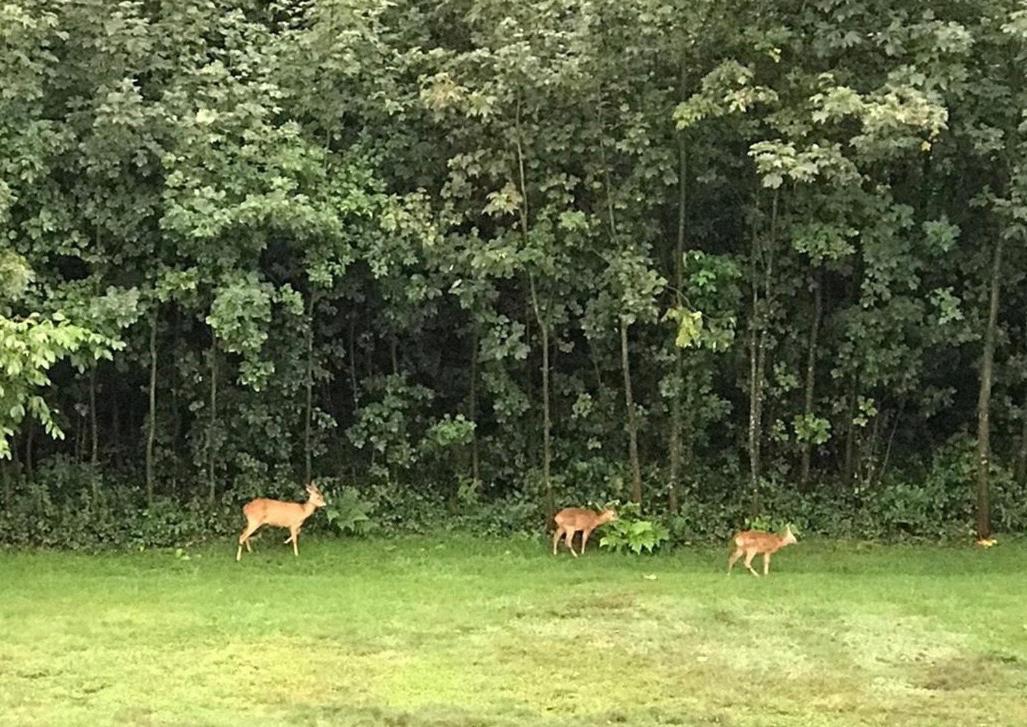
[(276, 513), (572, 519), (755, 542)]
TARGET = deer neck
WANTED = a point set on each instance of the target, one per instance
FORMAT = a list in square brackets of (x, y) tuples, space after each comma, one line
[(308, 508)]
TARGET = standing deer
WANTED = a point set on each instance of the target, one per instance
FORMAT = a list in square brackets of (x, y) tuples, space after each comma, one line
[(276, 513), (572, 519), (754, 542)]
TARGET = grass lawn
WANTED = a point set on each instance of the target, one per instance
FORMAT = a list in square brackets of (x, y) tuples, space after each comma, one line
[(458, 631)]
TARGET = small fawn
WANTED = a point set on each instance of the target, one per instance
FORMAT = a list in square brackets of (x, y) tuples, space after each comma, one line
[(572, 519), (755, 542), (276, 513)]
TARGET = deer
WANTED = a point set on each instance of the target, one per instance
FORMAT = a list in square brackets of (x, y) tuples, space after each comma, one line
[(276, 513), (755, 542), (572, 519)]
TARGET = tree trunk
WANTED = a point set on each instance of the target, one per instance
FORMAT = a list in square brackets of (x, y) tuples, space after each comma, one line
[(1021, 457), (848, 460), (753, 441), (151, 429), (309, 413), (80, 439), (629, 401), (93, 434), (543, 325), (472, 406), (675, 438), (353, 362), (811, 372), (116, 440), (30, 433), (547, 424), (176, 417), (984, 399), (891, 440), (757, 362), (212, 424), (689, 428), (679, 251)]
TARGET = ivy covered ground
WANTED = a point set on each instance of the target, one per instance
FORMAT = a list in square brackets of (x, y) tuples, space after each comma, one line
[(460, 631)]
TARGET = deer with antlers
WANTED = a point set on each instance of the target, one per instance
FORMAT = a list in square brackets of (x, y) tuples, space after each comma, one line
[(276, 513)]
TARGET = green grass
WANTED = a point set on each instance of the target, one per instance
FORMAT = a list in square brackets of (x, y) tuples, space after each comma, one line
[(476, 632)]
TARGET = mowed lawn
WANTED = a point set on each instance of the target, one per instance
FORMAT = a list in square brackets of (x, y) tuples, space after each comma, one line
[(458, 631)]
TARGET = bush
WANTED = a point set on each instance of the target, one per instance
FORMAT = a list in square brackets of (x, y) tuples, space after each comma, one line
[(631, 532), (69, 505)]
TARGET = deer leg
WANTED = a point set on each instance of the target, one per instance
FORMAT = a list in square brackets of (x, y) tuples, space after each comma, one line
[(734, 557), (294, 538), (766, 563), (556, 539), (570, 542), (249, 530), (748, 563), (584, 539)]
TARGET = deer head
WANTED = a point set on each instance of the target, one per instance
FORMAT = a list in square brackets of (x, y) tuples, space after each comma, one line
[(316, 498), (789, 536)]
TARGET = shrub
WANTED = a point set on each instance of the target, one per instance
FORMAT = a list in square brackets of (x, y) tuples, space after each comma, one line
[(631, 532)]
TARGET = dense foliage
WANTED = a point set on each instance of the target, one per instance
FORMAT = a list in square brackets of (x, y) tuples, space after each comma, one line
[(475, 260)]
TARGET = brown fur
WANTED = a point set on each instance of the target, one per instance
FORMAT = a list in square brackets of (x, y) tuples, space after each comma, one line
[(572, 519), (276, 513), (754, 542)]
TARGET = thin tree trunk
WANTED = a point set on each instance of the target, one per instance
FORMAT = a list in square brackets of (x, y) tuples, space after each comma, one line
[(811, 372), (869, 461), (675, 438), (94, 439), (757, 358), (757, 431), (353, 362), (636, 470), (984, 399), (1021, 457), (596, 371), (688, 426), (30, 433), (116, 438), (679, 251), (753, 444), (547, 424), (472, 406), (543, 325), (891, 440), (16, 456), (212, 424), (80, 437), (176, 417), (151, 429), (309, 413), (850, 435)]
